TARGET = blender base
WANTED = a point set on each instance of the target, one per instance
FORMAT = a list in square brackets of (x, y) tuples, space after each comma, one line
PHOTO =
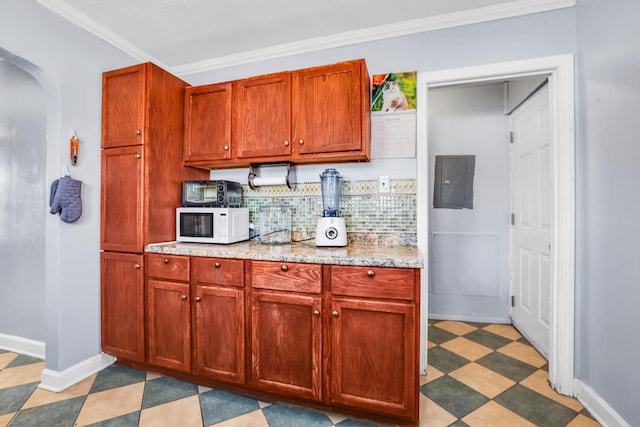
[(331, 231)]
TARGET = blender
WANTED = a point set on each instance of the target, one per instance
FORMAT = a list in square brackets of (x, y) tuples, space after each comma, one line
[(331, 229)]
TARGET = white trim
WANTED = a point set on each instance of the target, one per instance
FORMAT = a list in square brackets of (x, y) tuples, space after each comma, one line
[(447, 20), (598, 407), (561, 97), (22, 345), (57, 381)]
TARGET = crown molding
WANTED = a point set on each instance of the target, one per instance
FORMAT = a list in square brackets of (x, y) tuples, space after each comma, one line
[(449, 20)]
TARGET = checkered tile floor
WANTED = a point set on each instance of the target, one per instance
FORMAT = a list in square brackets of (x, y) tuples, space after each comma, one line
[(479, 375)]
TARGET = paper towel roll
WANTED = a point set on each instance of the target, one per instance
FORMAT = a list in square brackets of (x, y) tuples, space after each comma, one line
[(272, 180)]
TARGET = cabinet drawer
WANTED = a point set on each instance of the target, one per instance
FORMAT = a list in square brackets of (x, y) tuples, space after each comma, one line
[(287, 276), (373, 282), (170, 267), (218, 271)]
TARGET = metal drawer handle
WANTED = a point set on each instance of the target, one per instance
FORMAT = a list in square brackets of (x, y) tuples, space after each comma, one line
[(371, 273), (137, 266), (138, 155), (166, 260), (284, 268), (138, 132), (217, 265)]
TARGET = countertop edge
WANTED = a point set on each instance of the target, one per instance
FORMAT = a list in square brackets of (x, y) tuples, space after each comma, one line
[(353, 255)]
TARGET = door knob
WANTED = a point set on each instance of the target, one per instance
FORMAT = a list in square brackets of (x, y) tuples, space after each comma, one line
[(197, 299), (217, 265), (184, 297), (334, 314), (316, 313), (284, 268)]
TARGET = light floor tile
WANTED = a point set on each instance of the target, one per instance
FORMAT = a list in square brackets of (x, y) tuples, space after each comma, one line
[(524, 353), (6, 358), (466, 348), (481, 379), (6, 419), (582, 421), (430, 345), (152, 376), (20, 375), (335, 418), (507, 331), (264, 404), (539, 382), (203, 389), (432, 374), (458, 328), (252, 419), (434, 415), (494, 415), (111, 403), (184, 412), (42, 397)]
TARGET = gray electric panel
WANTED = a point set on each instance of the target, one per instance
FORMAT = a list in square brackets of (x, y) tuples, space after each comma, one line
[(453, 183)]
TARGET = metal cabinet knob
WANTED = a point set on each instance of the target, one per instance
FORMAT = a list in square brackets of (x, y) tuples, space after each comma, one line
[(138, 132), (138, 155), (334, 314), (137, 266), (286, 143), (197, 299), (183, 297), (301, 141), (371, 273), (166, 260), (284, 268), (316, 313), (217, 265), (226, 148)]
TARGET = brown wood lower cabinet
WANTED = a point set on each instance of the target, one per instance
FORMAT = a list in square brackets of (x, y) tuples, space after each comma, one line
[(336, 337), (286, 343)]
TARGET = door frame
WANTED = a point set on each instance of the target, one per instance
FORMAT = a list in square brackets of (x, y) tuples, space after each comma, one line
[(560, 70)]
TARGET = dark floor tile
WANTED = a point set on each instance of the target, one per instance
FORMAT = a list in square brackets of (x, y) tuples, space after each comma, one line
[(129, 420), (59, 414), (165, 389), (523, 340), (507, 366), (459, 423), (488, 339), (22, 360), (536, 408), (220, 405), (116, 376), (3, 351), (478, 325), (287, 416), (445, 360), (439, 336), (12, 398), (453, 396), (587, 414)]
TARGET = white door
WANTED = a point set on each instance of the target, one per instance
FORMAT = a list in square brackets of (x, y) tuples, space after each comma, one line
[(531, 204)]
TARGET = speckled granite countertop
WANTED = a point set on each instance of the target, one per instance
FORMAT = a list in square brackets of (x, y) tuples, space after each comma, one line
[(353, 254)]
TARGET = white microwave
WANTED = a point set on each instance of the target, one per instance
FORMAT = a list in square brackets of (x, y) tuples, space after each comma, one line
[(212, 225)]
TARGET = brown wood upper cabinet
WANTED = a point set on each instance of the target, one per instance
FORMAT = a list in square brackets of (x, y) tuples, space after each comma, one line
[(313, 115)]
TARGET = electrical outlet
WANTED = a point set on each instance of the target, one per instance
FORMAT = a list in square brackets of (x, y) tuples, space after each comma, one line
[(383, 184)]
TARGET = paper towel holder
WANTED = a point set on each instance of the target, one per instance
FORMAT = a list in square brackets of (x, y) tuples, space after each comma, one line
[(254, 179)]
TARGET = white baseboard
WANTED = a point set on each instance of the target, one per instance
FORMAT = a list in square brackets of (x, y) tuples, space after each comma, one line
[(463, 318), (57, 381), (597, 406), (22, 345)]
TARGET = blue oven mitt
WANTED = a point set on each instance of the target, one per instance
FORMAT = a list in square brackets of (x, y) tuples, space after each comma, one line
[(54, 188), (66, 199)]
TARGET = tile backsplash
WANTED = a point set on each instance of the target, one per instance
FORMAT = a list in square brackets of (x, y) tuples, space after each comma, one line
[(371, 217)]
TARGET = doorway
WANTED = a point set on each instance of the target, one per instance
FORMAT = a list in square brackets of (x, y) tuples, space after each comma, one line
[(561, 98)]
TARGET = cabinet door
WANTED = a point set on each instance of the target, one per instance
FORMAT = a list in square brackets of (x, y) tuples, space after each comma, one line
[(286, 343), (169, 324), (122, 305), (373, 356), (262, 116), (123, 106), (329, 113), (219, 333), (207, 122), (121, 222)]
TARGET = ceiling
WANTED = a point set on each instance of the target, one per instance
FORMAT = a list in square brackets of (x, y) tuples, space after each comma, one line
[(186, 36)]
